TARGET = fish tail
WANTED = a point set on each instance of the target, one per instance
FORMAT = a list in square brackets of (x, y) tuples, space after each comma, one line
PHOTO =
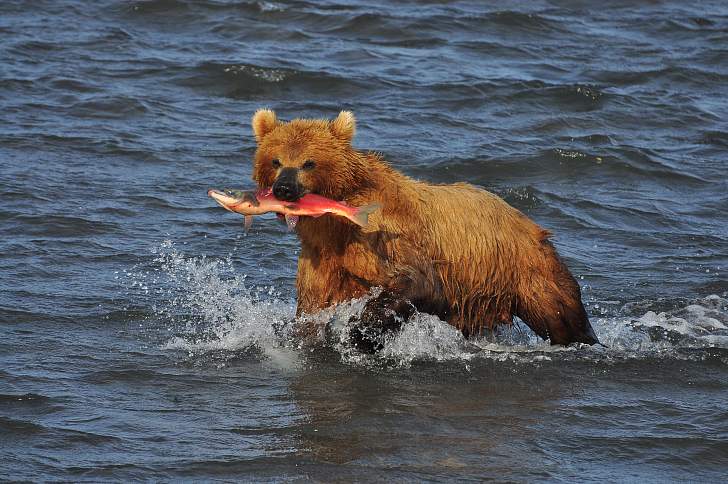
[(361, 215)]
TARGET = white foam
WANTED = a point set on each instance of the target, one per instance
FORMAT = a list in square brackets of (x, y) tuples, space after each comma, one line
[(270, 7), (701, 324), (269, 75)]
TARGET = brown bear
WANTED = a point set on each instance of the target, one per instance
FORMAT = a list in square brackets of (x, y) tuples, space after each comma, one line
[(455, 251)]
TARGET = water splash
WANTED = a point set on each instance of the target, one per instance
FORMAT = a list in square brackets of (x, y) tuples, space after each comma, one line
[(209, 309), (701, 324), (690, 332)]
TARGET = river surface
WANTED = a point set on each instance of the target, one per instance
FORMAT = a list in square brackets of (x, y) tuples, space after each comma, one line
[(136, 316)]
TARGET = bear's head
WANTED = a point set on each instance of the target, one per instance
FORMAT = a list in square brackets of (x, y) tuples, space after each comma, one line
[(306, 156)]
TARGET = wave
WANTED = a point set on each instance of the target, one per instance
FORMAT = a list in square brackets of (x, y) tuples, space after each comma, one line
[(13, 427), (27, 403), (604, 160), (243, 81), (158, 7), (666, 76), (61, 226), (51, 437), (24, 399), (109, 107), (715, 137), (523, 22), (165, 7)]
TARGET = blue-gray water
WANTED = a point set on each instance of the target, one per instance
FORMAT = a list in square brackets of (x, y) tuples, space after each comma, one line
[(135, 315)]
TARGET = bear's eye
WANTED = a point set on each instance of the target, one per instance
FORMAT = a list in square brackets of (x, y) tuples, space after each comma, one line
[(309, 165), (275, 163)]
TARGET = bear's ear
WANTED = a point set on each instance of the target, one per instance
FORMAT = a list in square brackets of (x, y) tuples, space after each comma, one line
[(264, 120), (344, 126)]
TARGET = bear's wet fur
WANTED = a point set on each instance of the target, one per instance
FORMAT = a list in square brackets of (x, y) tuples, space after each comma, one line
[(456, 251)]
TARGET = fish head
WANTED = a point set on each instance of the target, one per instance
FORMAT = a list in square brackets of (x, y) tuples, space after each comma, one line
[(235, 200), (306, 156)]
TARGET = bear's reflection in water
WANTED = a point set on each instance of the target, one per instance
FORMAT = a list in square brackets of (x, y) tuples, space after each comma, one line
[(429, 419)]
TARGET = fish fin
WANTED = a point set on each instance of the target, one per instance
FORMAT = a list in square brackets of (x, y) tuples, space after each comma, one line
[(361, 216), (248, 222), (291, 220)]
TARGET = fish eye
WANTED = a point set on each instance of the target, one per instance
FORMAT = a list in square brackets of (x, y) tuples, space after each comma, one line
[(309, 165), (275, 163)]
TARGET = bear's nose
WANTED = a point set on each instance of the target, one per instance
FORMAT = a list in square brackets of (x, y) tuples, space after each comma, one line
[(286, 187), (285, 191)]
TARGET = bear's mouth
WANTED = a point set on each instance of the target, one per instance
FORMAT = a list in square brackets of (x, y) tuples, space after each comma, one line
[(287, 187)]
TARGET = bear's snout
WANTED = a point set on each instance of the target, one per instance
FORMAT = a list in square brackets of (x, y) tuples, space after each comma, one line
[(287, 187)]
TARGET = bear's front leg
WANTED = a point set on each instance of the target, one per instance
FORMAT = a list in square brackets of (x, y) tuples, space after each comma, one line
[(410, 288), (382, 315)]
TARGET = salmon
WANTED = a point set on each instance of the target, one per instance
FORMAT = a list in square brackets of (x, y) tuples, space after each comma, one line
[(263, 201)]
